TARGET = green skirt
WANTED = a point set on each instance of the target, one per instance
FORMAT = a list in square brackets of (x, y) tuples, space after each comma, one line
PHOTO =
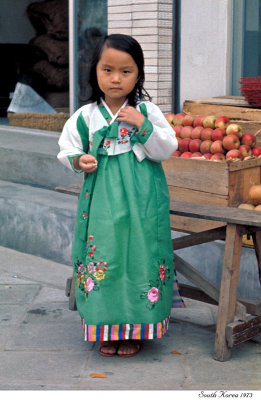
[(122, 252)]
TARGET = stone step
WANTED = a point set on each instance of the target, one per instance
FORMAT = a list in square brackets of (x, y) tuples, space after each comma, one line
[(29, 156), (37, 221)]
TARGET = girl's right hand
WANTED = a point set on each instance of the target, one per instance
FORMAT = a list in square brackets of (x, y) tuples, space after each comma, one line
[(87, 163)]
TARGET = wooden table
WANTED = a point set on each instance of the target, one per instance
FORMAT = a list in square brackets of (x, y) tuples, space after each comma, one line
[(238, 320)]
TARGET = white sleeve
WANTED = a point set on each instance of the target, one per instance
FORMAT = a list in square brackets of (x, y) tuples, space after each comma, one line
[(71, 141), (155, 139)]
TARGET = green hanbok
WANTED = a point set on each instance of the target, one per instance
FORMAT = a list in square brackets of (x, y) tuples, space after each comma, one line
[(122, 251)]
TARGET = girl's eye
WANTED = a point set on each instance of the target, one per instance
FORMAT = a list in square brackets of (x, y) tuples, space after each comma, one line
[(126, 72), (107, 70)]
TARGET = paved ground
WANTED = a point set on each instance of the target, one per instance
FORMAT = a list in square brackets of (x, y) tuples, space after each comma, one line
[(42, 347)]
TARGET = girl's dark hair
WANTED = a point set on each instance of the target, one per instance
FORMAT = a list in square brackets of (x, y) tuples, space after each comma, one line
[(129, 45)]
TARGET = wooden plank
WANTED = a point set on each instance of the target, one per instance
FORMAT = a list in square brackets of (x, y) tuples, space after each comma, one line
[(239, 332), (187, 224), (197, 196), (228, 290), (240, 182), (199, 238), (197, 107), (244, 164), (218, 213)]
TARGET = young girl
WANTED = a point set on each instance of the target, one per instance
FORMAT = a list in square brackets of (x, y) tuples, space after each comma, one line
[(122, 251)]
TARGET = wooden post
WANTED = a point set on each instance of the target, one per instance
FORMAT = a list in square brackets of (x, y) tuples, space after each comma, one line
[(228, 290)]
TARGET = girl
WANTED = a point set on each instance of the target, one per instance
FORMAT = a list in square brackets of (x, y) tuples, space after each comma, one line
[(122, 251)]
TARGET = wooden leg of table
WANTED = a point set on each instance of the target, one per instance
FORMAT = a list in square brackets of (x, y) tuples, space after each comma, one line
[(228, 290)]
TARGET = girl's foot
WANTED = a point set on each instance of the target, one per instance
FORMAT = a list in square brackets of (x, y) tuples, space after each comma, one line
[(108, 349), (129, 348)]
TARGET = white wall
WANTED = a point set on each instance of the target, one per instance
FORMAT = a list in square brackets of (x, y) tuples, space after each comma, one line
[(15, 26), (206, 36)]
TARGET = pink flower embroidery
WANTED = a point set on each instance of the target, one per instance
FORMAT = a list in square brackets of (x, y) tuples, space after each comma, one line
[(89, 284), (162, 272), (93, 248), (153, 295), (90, 237), (91, 267), (81, 269)]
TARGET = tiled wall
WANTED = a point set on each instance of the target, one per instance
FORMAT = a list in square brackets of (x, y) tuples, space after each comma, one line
[(150, 22)]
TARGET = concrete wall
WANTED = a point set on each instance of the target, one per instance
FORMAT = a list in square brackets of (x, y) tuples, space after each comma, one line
[(205, 48), (150, 22)]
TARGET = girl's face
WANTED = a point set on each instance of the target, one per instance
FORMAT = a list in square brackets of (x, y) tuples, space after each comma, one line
[(117, 75)]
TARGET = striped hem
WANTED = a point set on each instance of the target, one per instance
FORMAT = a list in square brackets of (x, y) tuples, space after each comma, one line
[(96, 333)]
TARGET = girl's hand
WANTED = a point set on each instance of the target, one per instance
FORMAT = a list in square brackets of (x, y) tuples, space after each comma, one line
[(131, 116), (86, 163)]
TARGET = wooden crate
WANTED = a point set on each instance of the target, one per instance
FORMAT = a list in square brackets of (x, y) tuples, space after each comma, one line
[(234, 107), (224, 183)]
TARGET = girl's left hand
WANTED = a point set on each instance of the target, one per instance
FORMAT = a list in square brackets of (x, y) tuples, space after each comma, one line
[(131, 116)]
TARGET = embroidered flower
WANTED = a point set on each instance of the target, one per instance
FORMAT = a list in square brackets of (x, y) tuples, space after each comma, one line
[(81, 269), (86, 194), (99, 275), (91, 253), (123, 141), (153, 295), (84, 215), (90, 237), (124, 131), (143, 133), (89, 284), (162, 272), (107, 143), (91, 267)]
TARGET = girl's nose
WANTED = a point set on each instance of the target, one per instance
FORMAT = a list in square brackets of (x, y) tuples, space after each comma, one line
[(116, 77)]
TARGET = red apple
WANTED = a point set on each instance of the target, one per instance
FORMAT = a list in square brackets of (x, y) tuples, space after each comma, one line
[(194, 145), (170, 117), (249, 139), (205, 146), (217, 147), (209, 121), (198, 121), (184, 145), (218, 157), (245, 150), (188, 120), (207, 156), (179, 140), (177, 129), (186, 154), (218, 134), (196, 154), (234, 153), (231, 142), (206, 133), (234, 129), (178, 119), (176, 153), (185, 132), (256, 151), (195, 133), (222, 122)]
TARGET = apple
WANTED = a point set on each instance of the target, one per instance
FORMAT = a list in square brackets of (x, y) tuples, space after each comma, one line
[(178, 119), (170, 118), (186, 154), (249, 139), (258, 208), (195, 133), (222, 122), (207, 156), (231, 142), (246, 206), (188, 120), (234, 153), (256, 151), (176, 153), (205, 146), (217, 147), (198, 121), (245, 150), (218, 134), (255, 194), (196, 154), (209, 121), (177, 129), (185, 132), (194, 145), (234, 129), (206, 133), (184, 145), (218, 157)]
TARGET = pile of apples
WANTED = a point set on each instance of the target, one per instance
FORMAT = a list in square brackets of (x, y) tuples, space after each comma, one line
[(211, 138)]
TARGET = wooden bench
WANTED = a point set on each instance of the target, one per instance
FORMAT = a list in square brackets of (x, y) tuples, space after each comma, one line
[(238, 320)]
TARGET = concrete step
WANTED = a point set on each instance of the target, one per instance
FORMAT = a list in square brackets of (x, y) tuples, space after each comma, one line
[(29, 156), (37, 221)]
